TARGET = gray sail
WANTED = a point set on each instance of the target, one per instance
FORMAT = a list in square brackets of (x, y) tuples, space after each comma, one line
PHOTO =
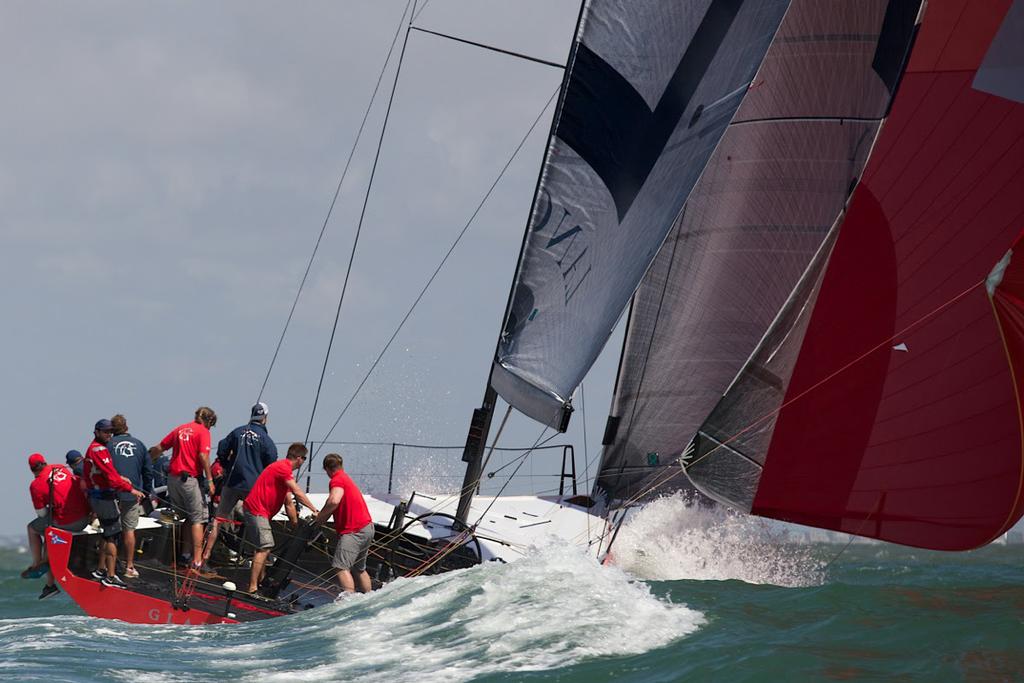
[(777, 183), (650, 89)]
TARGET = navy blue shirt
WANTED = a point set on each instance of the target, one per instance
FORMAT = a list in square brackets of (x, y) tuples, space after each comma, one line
[(244, 453), (160, 467), (131, 460)]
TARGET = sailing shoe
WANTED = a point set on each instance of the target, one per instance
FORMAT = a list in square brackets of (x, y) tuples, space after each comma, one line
[(99, 574), (36, 571), (204, 570), (48, 591), (131, 573), (113, 582)]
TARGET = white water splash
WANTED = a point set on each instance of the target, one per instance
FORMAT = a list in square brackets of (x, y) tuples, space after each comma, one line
[(671, 538), (549, 610)]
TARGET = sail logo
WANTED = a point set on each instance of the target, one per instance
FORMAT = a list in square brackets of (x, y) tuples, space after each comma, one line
[(567, 244), (125, 449)]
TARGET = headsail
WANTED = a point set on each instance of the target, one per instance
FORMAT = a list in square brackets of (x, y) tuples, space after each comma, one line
[(650, 89), (886, 402), (775, 186)]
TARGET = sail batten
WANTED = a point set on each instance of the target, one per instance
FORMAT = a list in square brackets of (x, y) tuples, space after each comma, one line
[(649, 91)]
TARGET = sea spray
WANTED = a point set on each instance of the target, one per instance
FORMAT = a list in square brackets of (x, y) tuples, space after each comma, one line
[(674, 538)]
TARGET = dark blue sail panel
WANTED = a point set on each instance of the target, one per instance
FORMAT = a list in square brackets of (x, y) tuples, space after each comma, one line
[(650, 90)]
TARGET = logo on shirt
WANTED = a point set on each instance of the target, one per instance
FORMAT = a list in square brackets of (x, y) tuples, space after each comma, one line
[(126, 449), (59, 475), (250, 438), (185, 434)]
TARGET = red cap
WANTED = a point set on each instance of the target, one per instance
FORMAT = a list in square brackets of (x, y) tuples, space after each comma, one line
[(35, 460)]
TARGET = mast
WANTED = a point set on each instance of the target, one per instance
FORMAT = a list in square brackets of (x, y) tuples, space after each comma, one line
[(480, 422)]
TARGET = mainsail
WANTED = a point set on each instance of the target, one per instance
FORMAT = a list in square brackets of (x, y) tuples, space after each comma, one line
[(777, 183), (650, 89), (885, 399)]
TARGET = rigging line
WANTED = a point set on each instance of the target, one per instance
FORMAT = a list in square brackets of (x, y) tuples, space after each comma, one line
[(334, 200), (359, 229), (510, 53), (433, 276), (422, 7), (586, 463), (525, 453), (938, 309), (508, 481)]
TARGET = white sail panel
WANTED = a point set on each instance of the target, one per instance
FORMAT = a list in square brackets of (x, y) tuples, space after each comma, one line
[(650, 89)]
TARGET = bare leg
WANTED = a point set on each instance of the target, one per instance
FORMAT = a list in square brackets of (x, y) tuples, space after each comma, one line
[(259, 560), (109, 557), (129, 548), (345, 579), (197, 543), (212, 541), (35, 545), (363, 579)]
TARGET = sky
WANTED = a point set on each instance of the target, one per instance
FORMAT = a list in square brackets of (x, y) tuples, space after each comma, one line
[(165, 169)]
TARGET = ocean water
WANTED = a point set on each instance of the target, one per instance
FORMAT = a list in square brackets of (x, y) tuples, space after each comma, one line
[(694, 596)]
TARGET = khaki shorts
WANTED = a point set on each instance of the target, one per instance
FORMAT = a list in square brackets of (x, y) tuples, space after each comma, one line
[(258, 532), (229, 502), (352, 548), (187, 498), (109, 514), (130, 511)]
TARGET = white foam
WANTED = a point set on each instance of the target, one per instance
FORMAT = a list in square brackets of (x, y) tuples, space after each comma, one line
[(554, 608), (671, 538)]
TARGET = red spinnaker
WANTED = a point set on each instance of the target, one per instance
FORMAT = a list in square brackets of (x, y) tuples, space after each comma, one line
[(902, 420)]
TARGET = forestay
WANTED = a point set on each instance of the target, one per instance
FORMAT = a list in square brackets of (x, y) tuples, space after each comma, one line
[(885, 401), (650, 88), (774, 187)]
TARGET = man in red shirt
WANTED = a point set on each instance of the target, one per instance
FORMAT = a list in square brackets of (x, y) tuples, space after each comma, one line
[(353, 523), (58, 501), (264, 501), (104, 482), (190, 460)]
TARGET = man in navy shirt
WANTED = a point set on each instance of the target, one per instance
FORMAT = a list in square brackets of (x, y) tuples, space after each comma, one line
[(132, 461), (244, 453)]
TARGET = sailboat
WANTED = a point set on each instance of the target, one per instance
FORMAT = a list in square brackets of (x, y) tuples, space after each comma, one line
[(810, 210)]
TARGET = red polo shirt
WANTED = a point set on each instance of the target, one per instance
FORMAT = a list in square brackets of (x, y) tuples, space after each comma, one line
[(99, 472), (69, 504), (187, 441), (267, 495), (351, 515)]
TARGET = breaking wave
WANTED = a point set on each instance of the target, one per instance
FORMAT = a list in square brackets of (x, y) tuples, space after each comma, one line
[(673, 538)]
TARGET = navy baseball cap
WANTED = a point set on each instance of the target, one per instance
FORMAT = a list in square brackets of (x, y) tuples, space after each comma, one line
[(104, 425), (72, 457), (259, 410)]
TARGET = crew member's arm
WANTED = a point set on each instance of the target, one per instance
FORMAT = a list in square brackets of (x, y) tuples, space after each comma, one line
[(297, 492), (226, 452), (147, 473), (204, 459), (333, 501), (289, 509)]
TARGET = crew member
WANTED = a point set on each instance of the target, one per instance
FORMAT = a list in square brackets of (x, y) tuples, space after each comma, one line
[(244, 453), (75, 461), (132, 461), (59, 502), (353, 523), (104, 483), (264, 501), (190, 459)]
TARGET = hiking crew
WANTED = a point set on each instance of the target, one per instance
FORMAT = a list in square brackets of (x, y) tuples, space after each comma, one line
[(132, 461), (58, 501), (104, 483), (244, 453), (190, 459), (353, 523), (268, 493)]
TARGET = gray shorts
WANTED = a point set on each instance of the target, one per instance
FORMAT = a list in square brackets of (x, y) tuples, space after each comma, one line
[(230, 501), (109, 514), (352, 548), (130, 511), (188, 499), (258, 532)]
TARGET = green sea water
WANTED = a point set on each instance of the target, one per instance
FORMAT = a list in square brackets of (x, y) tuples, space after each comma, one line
[(875, 613)]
